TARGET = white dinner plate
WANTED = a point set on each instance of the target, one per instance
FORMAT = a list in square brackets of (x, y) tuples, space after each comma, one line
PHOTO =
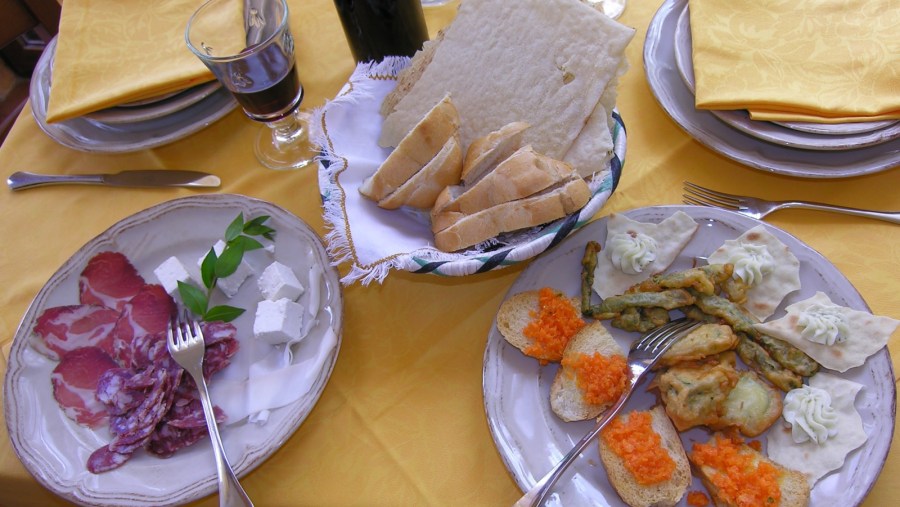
[(55, 449), (842, 137), (85, 134), (531, 439), (133, 113), (677, 100)]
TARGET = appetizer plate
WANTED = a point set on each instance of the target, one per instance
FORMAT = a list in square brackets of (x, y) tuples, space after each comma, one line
[(531, 439), (677, 100), (55, 449), (375, 241), (773, 132), (86, 134)]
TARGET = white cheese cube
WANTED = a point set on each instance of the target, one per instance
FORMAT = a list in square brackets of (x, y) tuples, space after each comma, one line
[(232, 283), (279, 281), (278, 321), (170, 272)]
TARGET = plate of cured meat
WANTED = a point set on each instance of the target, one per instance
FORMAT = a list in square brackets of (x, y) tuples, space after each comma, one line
[(92, 399)]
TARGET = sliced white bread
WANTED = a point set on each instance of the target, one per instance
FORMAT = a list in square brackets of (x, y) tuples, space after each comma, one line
[(487, 151), (468, 230), (414, 151), (423, 187), (516, 312), (566, 397), (793, 485), (522, 174), (662, 494)]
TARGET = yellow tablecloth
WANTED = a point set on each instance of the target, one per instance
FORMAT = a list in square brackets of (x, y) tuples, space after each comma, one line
[(401, 421)]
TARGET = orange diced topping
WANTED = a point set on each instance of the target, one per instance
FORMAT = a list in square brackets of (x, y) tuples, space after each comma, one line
[(601, 379), (756, 445), (640, 448), (740, 478), (555, 322), (697, 499)]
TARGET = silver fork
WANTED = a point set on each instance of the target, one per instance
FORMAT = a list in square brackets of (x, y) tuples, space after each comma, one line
[(643, 355), (186, 346), (758, 208)]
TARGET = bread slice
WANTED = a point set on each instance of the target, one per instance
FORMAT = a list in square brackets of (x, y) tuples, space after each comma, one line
[(793, 485), (487, 151), (566, 398), (549, 205), (520, 175), (423, 187), (414, 151), (666, 493), (516, 312)]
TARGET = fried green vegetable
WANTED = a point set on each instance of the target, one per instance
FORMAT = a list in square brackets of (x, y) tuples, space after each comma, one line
[(640, 320), (757, 358), (588, 266), (788, 356), (703, 279), (615, 305)]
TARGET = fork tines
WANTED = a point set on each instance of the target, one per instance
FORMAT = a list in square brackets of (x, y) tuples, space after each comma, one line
[(700, 196), (661, 338)]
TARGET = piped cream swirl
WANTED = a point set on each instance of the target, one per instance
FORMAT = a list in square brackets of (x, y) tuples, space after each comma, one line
[(809, 412), (823, 324), (631, 252), (752, 263)]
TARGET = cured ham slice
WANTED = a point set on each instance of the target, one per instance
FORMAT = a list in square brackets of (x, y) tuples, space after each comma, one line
[(75, 381), (147, 313), (110, 280), (66, 328)]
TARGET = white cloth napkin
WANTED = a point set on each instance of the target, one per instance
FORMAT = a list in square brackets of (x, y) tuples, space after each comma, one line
[(375, 241)]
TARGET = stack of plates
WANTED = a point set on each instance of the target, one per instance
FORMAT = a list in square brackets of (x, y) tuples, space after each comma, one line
[(792, 148), (129, 127)]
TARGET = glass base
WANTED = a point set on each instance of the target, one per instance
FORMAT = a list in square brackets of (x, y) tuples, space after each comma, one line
[(284, 144)]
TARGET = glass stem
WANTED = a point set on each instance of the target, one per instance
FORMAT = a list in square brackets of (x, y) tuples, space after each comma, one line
[(287, 131)]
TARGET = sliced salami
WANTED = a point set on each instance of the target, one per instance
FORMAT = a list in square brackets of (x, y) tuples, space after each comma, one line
[(110, 280), (75, 380), (105, 459), (66, 328)]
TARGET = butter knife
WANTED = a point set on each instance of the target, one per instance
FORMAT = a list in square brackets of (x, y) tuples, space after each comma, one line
[(138, 178)]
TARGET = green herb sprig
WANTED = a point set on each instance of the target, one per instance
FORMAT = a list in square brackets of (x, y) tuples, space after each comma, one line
[(238, 240)]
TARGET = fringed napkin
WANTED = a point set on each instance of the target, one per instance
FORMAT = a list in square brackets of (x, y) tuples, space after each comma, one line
[(374, 241), (833, 61), (110, 52)]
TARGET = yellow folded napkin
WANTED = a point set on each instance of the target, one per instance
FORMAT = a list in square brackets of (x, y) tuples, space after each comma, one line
[(830, 61), (111, 52)]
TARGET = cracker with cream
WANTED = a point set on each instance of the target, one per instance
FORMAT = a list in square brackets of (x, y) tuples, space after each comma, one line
[(635, 251), (764, 263), (825, 428), (837, 337)]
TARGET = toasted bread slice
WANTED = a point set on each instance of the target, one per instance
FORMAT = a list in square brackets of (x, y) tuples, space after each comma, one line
[(517, 312), (414, 151), (665, 493), (468, 230), (793, 485), (566, 397), (423, 187)]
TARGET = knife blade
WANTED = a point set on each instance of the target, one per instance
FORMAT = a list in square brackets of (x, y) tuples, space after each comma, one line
[(138, 178)]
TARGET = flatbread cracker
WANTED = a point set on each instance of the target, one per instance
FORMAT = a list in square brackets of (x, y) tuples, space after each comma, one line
[(812, 459), (544, 62), (868, 334), (671, 236), (763, 298)]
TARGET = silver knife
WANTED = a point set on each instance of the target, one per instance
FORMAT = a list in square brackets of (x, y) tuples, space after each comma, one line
[(138, 178)]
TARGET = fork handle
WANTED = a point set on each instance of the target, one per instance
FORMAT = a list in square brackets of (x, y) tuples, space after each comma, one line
[(538, 493), (888, 216), (231, 494)]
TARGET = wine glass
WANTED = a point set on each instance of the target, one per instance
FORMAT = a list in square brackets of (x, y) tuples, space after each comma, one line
[(612, 8), (248, 46)]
